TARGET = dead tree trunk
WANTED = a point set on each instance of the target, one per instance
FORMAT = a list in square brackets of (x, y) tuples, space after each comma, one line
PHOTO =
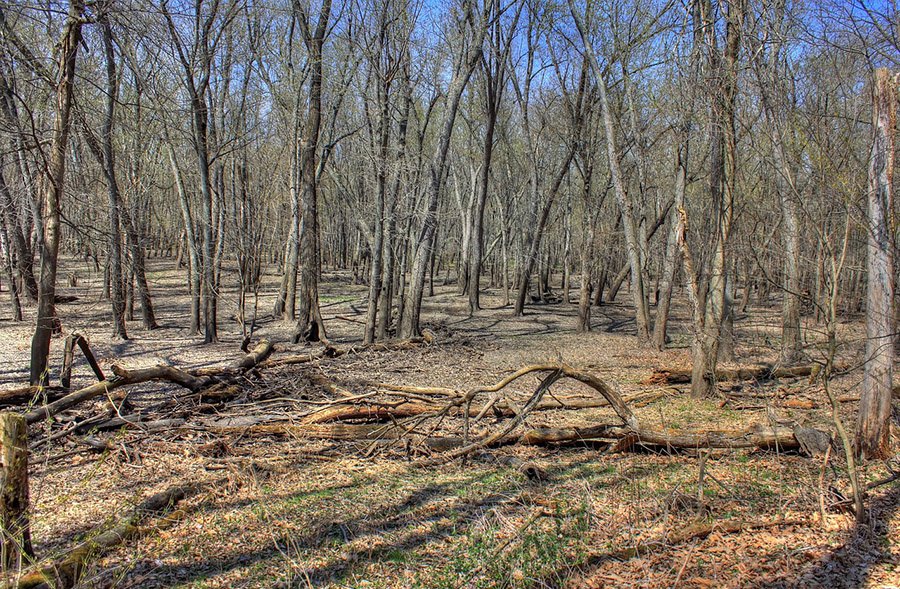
[(15, 542), (873, 433)]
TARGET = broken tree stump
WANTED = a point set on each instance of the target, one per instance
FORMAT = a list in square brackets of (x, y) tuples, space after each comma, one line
[(76, 339), (15, 542)]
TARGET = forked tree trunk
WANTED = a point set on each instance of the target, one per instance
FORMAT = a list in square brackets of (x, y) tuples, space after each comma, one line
[(873, 433), (424, 248)]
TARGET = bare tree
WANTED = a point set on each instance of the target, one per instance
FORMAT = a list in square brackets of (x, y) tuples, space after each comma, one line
[(472, 27), (623, 198), (309, 320)]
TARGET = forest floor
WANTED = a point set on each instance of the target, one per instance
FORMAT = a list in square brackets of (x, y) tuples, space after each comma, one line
[(281, 511)]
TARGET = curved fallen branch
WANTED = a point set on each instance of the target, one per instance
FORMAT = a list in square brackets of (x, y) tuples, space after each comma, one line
[(624, 436)]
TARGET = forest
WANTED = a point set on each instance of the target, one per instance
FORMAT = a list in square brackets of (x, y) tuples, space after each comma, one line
[(449, 293)]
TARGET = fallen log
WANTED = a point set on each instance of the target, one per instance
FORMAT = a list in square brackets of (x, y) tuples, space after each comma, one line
[(23, 395), (122, 377), (330, 351), (251, 359), (385, 411), (136, 422), (64, 572), (670, 376)]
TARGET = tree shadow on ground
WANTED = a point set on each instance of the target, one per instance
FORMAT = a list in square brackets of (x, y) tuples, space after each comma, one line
[(850, 565), (426, 514)]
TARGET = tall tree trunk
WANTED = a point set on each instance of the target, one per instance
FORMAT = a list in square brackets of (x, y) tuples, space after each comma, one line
[(309, 320), (769, 77), (53, 187), (723, 169), (376, 278), (873, 432), (134, 230), (116, 291), (22, 250)]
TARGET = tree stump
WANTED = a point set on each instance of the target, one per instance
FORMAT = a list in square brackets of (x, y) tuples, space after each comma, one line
[(15, 542)]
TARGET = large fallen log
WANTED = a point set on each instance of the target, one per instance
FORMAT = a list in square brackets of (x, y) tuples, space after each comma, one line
[(65, 571), (664, 376)]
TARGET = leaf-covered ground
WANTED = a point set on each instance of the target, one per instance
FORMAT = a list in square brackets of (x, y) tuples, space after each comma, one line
[(288, 512)]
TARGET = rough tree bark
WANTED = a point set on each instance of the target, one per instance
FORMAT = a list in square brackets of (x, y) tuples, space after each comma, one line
[(873, 432), (709, 304)]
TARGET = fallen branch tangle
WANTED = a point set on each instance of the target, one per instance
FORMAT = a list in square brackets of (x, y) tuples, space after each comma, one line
[(123, 377), (388, 414), (622, 436)]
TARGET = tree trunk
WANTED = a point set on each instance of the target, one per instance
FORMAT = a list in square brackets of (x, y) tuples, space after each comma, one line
[(537, 236), (624, 200), (195, 277), (116, 279), (53, 188), (18, 246), (309, 321), (16, 538), (9, 267), (873, 433), (673, 253), (409, 326)]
